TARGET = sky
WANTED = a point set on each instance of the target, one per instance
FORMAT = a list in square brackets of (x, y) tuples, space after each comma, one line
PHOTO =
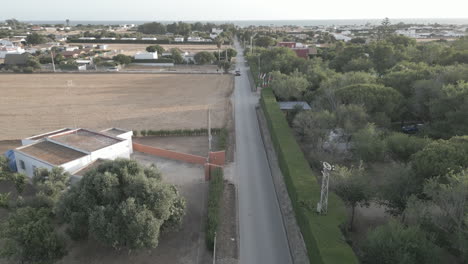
[(204, 10)]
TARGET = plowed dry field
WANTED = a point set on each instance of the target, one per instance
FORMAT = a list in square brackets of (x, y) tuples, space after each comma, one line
[(37, 103)]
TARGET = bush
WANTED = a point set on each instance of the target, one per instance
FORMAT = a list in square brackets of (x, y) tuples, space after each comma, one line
[(401, 146), (394, 243), (215, 194), (321, 233), (28, 70), (368, 144)]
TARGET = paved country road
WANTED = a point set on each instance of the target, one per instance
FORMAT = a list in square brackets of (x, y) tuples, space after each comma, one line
[(262, 235)]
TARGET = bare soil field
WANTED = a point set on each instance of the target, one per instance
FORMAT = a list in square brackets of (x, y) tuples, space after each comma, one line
[(132, 49), (37, 103)]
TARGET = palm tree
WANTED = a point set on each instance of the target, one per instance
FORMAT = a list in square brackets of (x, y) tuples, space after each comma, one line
[(68, 22)]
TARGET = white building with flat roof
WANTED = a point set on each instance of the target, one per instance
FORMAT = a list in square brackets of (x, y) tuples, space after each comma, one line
[(72, 149)]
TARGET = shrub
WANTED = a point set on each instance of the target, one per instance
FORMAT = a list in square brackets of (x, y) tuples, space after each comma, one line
[(401, 146), (394, 243), (28, 70), (215, 194)]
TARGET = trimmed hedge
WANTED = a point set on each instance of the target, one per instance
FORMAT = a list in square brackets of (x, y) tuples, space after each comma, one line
[(215, 195), (322, 235), (180, 132)]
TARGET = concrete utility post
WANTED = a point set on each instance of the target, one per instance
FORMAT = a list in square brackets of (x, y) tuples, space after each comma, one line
[(214, 250), (251, 43), (322, 206), (209, 130)]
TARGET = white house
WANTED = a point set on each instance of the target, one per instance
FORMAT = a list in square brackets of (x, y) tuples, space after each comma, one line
[(217, 31), (72, 149), (146, 56), (10, 50)]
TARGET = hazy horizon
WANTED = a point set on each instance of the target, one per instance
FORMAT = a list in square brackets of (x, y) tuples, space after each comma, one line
[(241, 10)]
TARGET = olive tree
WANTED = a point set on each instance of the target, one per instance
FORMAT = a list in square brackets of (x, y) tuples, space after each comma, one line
[(394, 243), (352, 186), (122, 204), (29, 237)]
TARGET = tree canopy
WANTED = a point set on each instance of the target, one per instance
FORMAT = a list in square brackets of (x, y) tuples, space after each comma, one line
[(122, 204)]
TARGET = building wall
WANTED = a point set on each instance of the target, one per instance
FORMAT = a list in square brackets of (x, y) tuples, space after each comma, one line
[(128, 137), (76, 165), (146, 56), (119, 150), (29, 162)]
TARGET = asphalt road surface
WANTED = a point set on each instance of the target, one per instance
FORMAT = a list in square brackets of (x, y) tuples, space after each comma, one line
[(262, 235)]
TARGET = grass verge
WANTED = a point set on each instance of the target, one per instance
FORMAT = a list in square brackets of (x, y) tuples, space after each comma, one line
[(215, 194)]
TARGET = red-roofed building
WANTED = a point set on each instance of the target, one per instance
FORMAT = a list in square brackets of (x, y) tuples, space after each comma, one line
[(287, 44)]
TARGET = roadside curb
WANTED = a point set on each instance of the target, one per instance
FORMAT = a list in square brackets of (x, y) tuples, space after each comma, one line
[(296, 243)]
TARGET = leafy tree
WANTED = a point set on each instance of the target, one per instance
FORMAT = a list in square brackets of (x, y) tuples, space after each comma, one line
[(401, 146), (122, 59), (279, 59), (35, 39), (352, 186), (152, 28), (397, 187), (226, 65), (367, 144), (18, 179), (287, 87), (440, 157), (394, 243), (313, 127), (29, 237), (51, 184), (446, 209), (264, 41), (155, 48), (383, 56), (122, 204), (327, 96), (358, 64), (450, 111), (219, 43), (375, 98), (177, 56), (33, 62), (351, 118), (204, 57)]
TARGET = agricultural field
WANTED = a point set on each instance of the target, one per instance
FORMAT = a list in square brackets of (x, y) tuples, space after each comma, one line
[(37, 103), (132, 49)]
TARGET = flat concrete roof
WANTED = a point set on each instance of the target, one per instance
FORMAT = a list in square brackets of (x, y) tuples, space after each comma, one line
[(86, 140), (52, 153), (291, 104), (49, 134)]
